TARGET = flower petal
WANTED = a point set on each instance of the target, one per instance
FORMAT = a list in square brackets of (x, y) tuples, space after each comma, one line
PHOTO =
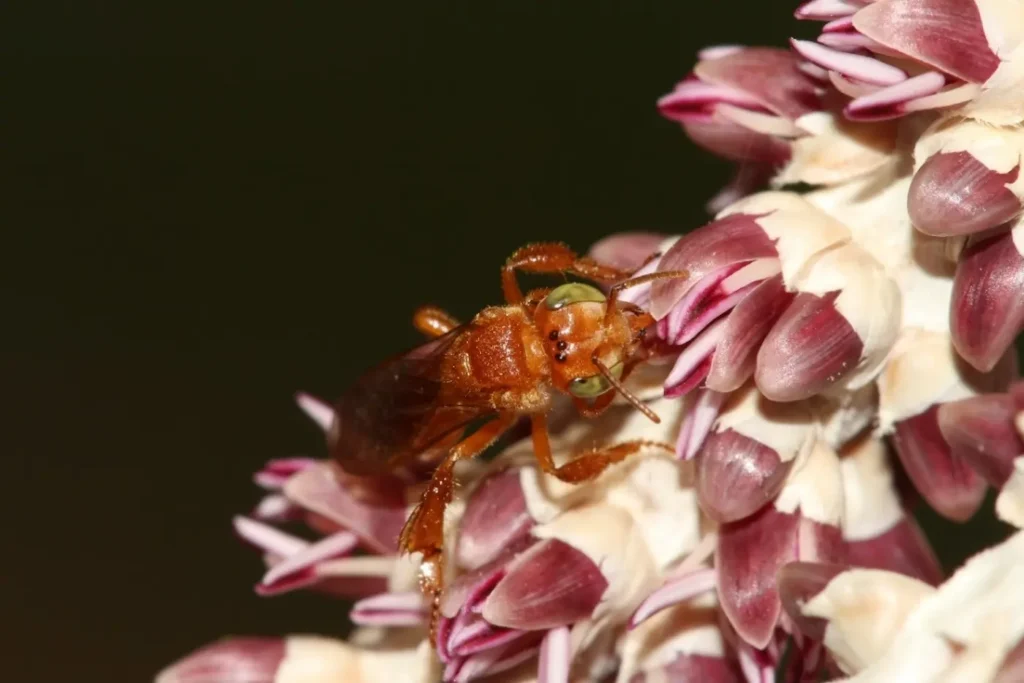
[(555, 657), (732, 240), (719, 135), (949, 485), (675, 591), (233, 660), (811, 347), (988, 299), (692, 669), (737, 475), (858, 67), (956, 194), (750, 553), (799, 582), (294, 569), (913, 94), (494, 518), (276, 472), (821, 10), (697, 423), (390, 609), (945, 34), (745, 329), (626, 250), (865, 609), (318, 410), (903, 549), (694, 362), (770, 75), (981, 431), (550, 585), (377, 519), (267, 538)]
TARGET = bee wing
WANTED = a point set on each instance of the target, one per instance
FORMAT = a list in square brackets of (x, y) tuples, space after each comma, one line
[(397, 411)]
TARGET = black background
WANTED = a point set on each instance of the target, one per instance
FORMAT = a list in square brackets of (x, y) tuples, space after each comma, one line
[(209, 208)]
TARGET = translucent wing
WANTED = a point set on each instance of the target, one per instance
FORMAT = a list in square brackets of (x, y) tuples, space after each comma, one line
[(399, 412)]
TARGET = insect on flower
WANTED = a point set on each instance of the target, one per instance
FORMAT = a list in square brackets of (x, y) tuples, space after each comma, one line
[(413, 411)]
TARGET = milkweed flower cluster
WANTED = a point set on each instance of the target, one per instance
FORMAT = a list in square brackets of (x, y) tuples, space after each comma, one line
[(850, 315)]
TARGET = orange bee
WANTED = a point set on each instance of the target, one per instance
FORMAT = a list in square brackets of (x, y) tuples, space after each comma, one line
[(414, 410)]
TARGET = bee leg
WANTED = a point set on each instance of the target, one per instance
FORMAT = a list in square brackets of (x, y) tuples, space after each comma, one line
[(424, 530), (433, 321), (552, 257), (589, 464)]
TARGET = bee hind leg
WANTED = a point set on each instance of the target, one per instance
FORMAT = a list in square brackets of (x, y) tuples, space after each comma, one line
[(424, 530)]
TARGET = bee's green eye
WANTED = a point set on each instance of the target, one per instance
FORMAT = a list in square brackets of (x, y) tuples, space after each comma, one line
[(595, 385), (589, 387), (572, 293)]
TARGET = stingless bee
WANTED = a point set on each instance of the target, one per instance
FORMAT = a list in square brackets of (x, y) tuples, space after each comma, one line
[(505, 364)]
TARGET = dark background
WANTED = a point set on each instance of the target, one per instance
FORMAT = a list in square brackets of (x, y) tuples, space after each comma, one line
[(208, 209)]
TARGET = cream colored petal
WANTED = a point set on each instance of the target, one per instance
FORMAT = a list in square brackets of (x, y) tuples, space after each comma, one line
[(874, 210), (787, 428), (926, 283), (868, 298), (815, 488), (999, 102), (310, 659), (965, 629), (843, 416), (997, 147), (865, 609), (1010, 503), (546, 496), (607, 535), (799, 229), (691, 628), (924, 369), (871, 506), (837, 150)]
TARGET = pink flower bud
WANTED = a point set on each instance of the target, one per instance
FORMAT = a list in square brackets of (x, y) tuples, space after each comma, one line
[(801, 525), (742, 104), (254, 660), (746, 460), (981, 430), (923, 373), (987, 311), (495, 518), (967, 177)]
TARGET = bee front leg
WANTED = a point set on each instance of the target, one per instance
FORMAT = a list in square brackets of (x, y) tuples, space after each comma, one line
[(589, 464), (552, 257), (424, 530)]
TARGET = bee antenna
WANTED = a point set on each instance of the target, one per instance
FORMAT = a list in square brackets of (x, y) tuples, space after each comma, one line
[(626, 393), (642, 280)]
